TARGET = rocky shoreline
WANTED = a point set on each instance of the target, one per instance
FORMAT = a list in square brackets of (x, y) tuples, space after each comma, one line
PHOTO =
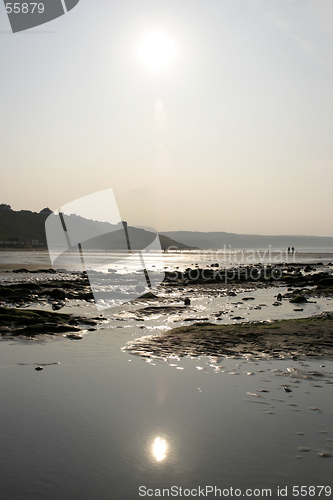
[(75, 286), (302, 281), (32, 323)]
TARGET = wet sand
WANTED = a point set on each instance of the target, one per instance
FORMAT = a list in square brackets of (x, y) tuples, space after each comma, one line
[(294, 338)]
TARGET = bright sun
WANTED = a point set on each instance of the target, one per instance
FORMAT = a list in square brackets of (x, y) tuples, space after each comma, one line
[(157, 50)]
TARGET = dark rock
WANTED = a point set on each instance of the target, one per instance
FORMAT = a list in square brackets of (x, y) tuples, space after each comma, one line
[(12, 293), (86, 296), (39, 368), (57, 305), (187, 301), (44, 271), (57, 293), (320, 276), (326, 282), (74, 336), (148, 295), (298, 299), (23, 322)]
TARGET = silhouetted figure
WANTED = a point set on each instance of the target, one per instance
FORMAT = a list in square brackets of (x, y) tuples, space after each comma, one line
[(292, 250), (288, 249), (279, 296)]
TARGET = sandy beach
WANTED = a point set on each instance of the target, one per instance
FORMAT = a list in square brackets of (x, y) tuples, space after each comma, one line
[(228, 364), (301, 286)]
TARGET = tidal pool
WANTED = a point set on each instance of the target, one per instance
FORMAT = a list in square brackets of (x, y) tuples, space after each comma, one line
[(103, 423)]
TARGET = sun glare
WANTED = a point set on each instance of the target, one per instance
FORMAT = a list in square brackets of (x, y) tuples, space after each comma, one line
[(157, 50), (159, 449)]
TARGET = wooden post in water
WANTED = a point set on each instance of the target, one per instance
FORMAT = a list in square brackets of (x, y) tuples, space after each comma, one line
[(140, 254), (127, 238)]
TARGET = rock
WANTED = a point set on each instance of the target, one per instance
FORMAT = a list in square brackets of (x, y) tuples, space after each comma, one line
[(58, 293), (27, 322), (187, 301), (279, 296), (287, 389), (12, 293), (39, 368), (324, 454), (148, 295), (44, 271), (298, 299), (325, 282), (86, 296), (57, 305)]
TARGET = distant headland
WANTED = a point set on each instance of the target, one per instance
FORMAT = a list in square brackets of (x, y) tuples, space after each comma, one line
[(26, 229)]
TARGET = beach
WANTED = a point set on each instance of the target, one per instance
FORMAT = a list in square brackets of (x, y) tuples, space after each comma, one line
[(233, 389)]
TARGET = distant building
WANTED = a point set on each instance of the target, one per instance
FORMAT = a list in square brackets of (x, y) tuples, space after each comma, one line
[(46, 211), (3, 206)]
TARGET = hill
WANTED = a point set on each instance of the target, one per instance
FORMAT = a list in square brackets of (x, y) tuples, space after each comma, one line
[(217, 240), (26, 228)]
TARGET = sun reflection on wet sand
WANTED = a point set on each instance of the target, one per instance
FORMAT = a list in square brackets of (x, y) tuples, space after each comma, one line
[(159, 449)]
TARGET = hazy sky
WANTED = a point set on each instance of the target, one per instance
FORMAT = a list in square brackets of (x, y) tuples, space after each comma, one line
[(235, 134)]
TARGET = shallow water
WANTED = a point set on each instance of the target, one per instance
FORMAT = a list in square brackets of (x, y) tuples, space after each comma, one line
[(97, 422), (169, 260), (86, 428), (208, 304)]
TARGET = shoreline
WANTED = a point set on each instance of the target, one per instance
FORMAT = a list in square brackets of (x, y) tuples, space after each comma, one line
[(281, 339), (310, 337)]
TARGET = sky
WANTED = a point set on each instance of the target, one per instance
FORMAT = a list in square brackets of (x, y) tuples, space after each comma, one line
[(234, 133)]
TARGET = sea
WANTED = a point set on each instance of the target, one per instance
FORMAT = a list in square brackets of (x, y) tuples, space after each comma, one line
[(100, 423)]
